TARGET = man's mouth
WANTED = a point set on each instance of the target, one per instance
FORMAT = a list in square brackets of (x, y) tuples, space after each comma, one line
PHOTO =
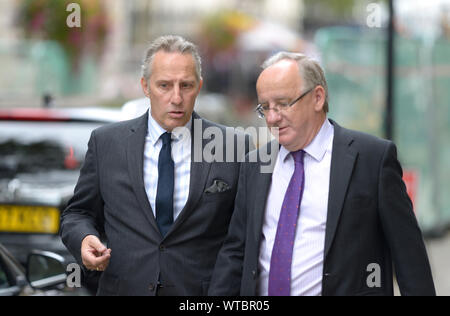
[(277, 128), (176, 114)]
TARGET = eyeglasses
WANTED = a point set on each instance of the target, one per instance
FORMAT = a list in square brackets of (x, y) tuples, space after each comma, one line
[(262, 110)]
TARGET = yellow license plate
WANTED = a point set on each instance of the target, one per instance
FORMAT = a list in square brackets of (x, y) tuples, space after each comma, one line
[(29, 219)]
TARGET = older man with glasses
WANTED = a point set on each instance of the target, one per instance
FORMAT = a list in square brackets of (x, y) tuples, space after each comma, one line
[(333, 218)]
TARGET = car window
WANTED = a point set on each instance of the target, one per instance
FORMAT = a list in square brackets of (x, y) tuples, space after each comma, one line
[(30, 147)]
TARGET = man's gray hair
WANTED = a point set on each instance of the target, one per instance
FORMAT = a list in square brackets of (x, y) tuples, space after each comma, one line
[(311, 72), (171, 44)]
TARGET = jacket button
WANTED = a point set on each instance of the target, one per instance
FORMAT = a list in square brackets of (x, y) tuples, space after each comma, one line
[(254, 274), (162, 248), (151, 287)]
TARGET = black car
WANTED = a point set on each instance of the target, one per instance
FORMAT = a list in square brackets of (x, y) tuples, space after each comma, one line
[(41, 152), (44, 274)]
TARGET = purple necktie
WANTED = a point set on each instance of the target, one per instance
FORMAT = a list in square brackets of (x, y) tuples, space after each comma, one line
[(281, 260)]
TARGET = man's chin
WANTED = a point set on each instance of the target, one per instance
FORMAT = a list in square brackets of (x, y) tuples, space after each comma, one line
[(287, 142), (173, 123)]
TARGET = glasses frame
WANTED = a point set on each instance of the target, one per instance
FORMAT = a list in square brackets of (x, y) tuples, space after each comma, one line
[(260, 109)]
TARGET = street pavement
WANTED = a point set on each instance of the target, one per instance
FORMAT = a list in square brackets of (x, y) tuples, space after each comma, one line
[(439, 255), (438, 250)]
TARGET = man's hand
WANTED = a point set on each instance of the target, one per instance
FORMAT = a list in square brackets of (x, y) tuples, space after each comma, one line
[(94, 254)]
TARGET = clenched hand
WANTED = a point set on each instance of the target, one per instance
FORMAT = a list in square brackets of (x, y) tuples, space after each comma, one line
[(94, 254)]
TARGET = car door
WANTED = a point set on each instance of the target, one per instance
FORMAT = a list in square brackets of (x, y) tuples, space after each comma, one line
[(7, 287)]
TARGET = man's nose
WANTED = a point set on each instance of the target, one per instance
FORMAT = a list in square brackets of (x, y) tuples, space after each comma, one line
[(176, 96), (272, 117)]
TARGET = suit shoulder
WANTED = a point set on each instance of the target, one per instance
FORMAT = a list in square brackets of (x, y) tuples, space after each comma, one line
[(236, 131), (366, 141), (118, 128), (207, 123), (372, 150)]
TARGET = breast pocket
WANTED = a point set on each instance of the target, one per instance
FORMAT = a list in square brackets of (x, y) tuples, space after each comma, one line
[(219, 197)]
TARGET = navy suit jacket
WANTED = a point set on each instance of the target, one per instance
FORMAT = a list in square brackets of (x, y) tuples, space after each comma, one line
[(370, 221), (110, 199)]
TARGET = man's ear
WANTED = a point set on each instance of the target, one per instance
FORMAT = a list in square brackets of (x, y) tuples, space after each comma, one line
[(145, 87), (200, 85), (319, 98)]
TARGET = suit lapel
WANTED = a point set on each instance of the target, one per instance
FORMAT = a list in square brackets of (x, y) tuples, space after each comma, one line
[(264, 180), (261, 190), (342, 162), (198, 176), (135, 158)]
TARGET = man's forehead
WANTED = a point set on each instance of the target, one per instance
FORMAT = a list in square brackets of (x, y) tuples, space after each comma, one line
[(173, 63), (163, 57), (278, 78), (284, 69)]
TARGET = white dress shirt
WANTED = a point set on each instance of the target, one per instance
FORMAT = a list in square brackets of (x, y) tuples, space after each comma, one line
[(181, 155), (307, 261)]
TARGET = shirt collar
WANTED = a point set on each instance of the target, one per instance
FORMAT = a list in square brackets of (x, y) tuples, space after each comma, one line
[(319, 145), (155, 130)]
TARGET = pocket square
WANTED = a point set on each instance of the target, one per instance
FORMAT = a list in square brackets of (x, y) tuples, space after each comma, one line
[(217, 187)]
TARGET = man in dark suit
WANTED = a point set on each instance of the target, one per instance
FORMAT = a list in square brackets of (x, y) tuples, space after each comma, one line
[(333, 218), (164, 211)]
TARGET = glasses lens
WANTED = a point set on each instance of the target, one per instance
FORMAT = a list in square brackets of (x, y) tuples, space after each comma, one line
[(259, 111)]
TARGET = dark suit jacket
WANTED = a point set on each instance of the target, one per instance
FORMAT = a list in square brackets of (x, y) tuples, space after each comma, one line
[(370, 220), (110, 198)]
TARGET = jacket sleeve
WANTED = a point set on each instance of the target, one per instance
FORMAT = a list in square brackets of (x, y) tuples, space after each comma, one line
[(85, 208), (401, 229), (226, 279)]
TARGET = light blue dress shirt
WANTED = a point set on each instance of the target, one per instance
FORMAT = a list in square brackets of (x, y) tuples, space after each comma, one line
[(181, 155)]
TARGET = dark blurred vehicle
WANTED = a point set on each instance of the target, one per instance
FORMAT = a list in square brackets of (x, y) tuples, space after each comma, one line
[(41, 152), (44, 274)]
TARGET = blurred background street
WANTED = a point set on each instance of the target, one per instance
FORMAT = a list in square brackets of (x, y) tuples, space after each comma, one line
[(392, 82), (439, 255)]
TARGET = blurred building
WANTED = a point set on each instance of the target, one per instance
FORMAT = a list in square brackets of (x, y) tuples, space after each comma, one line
[(138, 22), (7, 31), (354, 58), (149, 19)]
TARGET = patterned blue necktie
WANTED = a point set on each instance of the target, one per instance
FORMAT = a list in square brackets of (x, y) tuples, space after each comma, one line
[(281, 260), (164, 193)]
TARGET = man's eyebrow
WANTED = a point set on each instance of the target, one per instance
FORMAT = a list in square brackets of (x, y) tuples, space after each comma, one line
[(181, 80), (283, 98), (276, 99)]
